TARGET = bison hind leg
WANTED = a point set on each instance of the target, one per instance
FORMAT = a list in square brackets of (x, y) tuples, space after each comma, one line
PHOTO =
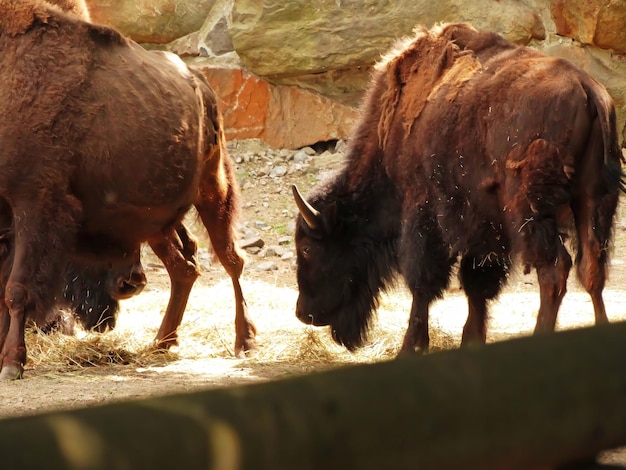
[(540, 187), (217, 208), (594, 220), (177, 251)]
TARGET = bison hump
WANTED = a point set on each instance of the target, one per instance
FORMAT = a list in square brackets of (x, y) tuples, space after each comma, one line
[(18, 16)]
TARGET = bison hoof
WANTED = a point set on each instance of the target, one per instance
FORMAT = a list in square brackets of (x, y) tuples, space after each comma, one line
[(412, 350), (246, 348), (165, 344), (11, 372)]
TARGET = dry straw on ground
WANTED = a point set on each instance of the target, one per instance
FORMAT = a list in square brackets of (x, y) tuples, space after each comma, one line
[(284, 340), (207, 331)]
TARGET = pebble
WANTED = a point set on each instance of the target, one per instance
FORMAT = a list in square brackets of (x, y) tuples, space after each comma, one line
[(285, 240), (278, 171), (301, 157), (252, 242), (267, 266)]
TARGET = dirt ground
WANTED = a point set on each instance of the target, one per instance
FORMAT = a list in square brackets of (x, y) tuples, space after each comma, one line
[(204, 357)]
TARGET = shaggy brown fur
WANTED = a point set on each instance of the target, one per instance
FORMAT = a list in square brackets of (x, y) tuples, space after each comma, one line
[(104, 146), (74, 7), (469, 148)]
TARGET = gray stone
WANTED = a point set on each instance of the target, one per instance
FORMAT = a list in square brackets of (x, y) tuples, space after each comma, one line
[(278, 171), (285, 240), (301, 157), (252, 242), (266, 266)]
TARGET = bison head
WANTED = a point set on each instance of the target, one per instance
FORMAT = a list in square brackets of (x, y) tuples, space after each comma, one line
[(94, 292), (341, 269)]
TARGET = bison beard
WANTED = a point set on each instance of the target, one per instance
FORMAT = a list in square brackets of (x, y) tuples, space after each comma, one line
[(92, 293), (473, 149)]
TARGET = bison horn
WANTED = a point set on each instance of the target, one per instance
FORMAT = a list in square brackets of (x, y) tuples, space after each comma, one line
[(310, 215)]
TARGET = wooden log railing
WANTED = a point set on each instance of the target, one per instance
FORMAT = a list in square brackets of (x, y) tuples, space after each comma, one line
[(536, 402)]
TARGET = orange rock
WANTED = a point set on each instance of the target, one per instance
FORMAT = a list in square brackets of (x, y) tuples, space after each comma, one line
[(282, 116), (596, 22)]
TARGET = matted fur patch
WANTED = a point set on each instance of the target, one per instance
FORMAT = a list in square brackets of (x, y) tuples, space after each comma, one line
[(17, 16)]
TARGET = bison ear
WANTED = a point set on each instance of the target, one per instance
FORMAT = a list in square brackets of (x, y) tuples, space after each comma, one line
[(310, 215)]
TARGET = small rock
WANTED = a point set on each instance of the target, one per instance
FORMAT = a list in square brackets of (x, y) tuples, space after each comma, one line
[(284, 240), (267, 266), (253, 250), (301, 157), (303, 167), (252, 242), (260, 224), (341, 146), (278, 171), (288, 255), (247, 232), (270, 251), (308, 150)]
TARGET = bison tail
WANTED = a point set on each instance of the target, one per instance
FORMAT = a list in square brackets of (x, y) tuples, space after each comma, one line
[(613, 159)]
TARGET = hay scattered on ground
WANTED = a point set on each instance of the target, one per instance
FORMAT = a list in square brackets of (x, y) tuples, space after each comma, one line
[(286, 345), (60, 351), (284, 341)]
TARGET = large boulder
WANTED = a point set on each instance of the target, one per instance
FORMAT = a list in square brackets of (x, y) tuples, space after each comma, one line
[(275, 38), (283, 116), (153, 21), (329, 46), (598, 22)]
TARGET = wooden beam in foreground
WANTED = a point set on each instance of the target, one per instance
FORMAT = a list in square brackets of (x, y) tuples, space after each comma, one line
[(527, 403)]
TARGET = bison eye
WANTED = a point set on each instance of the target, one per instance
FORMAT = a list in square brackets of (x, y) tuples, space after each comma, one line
[(306, 251)]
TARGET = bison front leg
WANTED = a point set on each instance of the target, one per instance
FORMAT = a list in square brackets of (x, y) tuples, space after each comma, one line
[(177, 251), (417, 338), (482, 279), (425, 264), (14, 348), (41, 233)]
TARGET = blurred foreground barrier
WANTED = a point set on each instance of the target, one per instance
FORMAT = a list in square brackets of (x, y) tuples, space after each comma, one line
[(522, 404)]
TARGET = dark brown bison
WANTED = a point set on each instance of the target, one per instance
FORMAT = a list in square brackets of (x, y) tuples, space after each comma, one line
[(104, 146), (469, 148)]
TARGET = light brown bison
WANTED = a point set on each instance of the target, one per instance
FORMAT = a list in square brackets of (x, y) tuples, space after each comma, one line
[(103, 146), (469, 148)]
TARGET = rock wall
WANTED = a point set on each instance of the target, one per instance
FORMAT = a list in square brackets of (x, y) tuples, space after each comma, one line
[(293, 72)]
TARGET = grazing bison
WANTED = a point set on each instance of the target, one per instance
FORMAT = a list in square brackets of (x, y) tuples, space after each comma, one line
[(92, 293), (103, 146), (469, 148)]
